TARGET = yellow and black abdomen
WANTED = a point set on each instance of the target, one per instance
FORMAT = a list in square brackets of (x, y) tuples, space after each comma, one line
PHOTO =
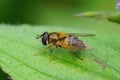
[(73, 43)]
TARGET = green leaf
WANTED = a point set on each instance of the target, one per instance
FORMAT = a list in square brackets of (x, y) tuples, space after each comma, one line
[(18, 47)]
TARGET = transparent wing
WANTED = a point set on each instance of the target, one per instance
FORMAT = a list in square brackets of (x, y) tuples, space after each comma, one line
[(81, 34)]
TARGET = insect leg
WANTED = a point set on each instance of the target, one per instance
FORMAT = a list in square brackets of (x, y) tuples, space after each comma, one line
[(76, 55), (43, 50), (53, 54), (100, 63)]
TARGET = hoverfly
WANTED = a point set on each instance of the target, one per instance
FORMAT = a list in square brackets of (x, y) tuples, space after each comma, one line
[(68, 41)]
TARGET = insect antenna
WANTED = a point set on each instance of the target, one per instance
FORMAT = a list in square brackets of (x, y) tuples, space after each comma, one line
[(38, 36)]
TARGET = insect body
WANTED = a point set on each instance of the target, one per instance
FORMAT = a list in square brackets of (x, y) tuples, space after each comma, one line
[(68, 41)]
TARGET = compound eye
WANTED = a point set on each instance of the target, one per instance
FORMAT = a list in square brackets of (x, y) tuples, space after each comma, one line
[(45, 38), (44, 41)]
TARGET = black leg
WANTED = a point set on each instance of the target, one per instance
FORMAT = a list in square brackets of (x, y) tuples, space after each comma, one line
[(76, 55)]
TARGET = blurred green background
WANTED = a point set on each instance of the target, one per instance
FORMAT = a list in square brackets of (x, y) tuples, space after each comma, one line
[(49, 12)]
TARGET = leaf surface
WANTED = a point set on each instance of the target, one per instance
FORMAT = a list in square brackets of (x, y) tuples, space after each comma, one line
[(18, 47)]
